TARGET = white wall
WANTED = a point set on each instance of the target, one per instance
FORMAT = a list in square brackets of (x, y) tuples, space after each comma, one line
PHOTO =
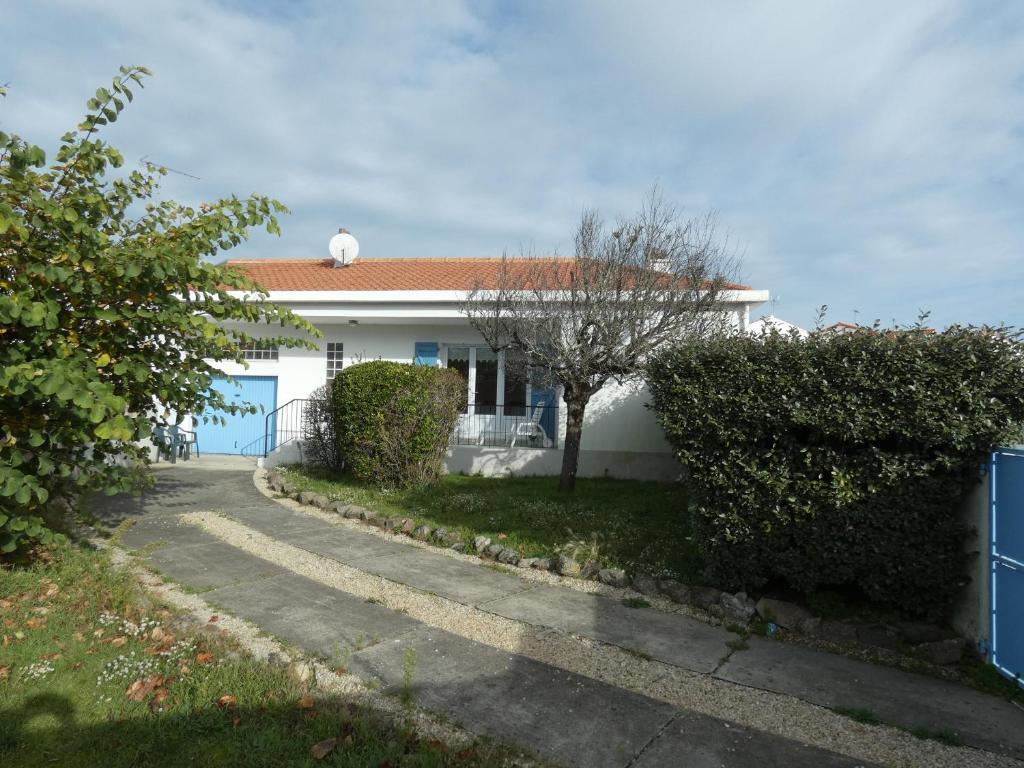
[(617, 419)]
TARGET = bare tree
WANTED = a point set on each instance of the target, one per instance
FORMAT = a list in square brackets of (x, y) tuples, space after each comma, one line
[(582, 320)]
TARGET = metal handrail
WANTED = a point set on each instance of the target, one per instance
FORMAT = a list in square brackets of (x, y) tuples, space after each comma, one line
[(270, 434)]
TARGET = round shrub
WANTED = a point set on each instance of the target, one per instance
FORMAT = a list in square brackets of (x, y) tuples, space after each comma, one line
[(394, 421), (840, 460)]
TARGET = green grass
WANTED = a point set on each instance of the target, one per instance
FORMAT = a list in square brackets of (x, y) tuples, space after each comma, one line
[(637, 526), (868, 717), (76, 634)]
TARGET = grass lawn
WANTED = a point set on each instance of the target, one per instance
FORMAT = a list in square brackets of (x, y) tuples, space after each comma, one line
[(639, 526), (92, 672)]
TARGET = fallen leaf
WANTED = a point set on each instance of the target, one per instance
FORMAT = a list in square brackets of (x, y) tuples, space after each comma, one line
[(159, 694), (140, 689), (304, 703), (227, 701), (5, 604), (157, 634), (117, 642), (98, 633), (322, 749), (204, 658), (5, 672), (76, 666), (35, 623), (236, 720), (214, 619), (502, 536)]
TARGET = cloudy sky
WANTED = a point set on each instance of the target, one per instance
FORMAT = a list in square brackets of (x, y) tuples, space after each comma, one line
[(865, 155)]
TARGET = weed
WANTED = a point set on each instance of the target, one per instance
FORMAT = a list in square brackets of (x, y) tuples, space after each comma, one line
[(941, 735), (408, 670), (739, 644), (638, 654), (635, 602), (859, 714)]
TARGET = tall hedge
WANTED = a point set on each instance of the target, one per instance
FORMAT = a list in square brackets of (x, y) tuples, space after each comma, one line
[(840, 460), (394, 420)]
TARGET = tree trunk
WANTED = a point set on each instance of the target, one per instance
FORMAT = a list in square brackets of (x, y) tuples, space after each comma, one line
[(575, 409)]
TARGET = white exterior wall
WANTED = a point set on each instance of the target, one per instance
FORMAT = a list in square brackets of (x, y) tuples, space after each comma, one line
[(617, 417), (621, 437)]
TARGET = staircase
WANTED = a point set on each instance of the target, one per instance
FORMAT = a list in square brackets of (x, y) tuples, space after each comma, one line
[(281, 426)]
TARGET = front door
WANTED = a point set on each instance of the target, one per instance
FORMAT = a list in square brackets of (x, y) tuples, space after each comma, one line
[(242, 432)]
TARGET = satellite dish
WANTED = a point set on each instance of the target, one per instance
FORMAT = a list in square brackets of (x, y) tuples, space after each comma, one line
[(343, 248)]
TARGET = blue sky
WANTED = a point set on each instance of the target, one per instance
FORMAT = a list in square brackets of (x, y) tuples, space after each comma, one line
[(868, 155)]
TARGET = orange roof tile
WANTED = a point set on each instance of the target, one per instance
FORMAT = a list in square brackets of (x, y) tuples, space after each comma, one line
[(418, 274)]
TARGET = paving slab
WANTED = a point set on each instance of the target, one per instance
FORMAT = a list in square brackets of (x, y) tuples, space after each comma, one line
[(896, 697), (457, 580), (278, 521), (210, 565), (341, 544), (709, 743), (571, 719), (667, 637), (162, 530), (312, 616)]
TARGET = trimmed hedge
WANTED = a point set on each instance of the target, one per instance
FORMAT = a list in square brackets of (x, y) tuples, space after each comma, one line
[(840, 460), (393, 421)]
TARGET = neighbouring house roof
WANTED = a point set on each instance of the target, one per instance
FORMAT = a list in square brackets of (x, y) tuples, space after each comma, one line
[(418, 274)]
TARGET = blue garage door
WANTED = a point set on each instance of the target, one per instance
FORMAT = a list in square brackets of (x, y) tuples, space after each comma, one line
[(242, 431)]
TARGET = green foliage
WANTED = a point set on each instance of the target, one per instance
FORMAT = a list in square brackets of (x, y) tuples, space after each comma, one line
[(320, 444), (107, 301), (840, 460), (394, 421)]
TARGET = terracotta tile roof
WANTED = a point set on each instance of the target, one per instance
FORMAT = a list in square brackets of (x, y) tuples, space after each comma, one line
[(433, 274)]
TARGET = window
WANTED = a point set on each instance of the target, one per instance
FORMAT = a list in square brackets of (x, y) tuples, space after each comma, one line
[(335, 354), (257, 350), (494, 380)]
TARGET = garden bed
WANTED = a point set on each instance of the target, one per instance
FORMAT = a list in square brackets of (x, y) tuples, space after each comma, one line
[(640, 527)]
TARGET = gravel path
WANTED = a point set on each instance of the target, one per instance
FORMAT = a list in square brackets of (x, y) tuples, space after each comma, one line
[(769, 712)]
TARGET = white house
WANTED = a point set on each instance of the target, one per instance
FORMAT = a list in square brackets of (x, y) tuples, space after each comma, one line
[(769, 323), (407, 310)]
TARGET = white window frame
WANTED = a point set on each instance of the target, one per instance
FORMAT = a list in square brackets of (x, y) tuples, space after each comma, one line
[(257, 351), (471, 384), (335, 358)]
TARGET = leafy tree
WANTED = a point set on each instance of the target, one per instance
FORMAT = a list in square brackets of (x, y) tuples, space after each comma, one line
[(599, 314), (109, 313)]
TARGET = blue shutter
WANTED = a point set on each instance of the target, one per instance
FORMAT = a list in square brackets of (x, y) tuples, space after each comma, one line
[(425, 353)]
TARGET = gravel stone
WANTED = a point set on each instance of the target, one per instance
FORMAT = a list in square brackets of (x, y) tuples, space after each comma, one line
[(811, 626), (527, 562), (613, 577), (646, 585), (916, 632), (542, 564), (439, 534), (354, 512), (408, 525), (708, 598), (422, 533), (508, 556), (480, 543), (566, 566), (302, 672), (675, 591), (785, 614), (493, 550), (367, 515), (590, 570), (879, 635), (737, 607), (941, 652)]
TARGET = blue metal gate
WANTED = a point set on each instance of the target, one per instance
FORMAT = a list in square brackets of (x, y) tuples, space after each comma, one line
[(1006, 486), (240, 429)]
